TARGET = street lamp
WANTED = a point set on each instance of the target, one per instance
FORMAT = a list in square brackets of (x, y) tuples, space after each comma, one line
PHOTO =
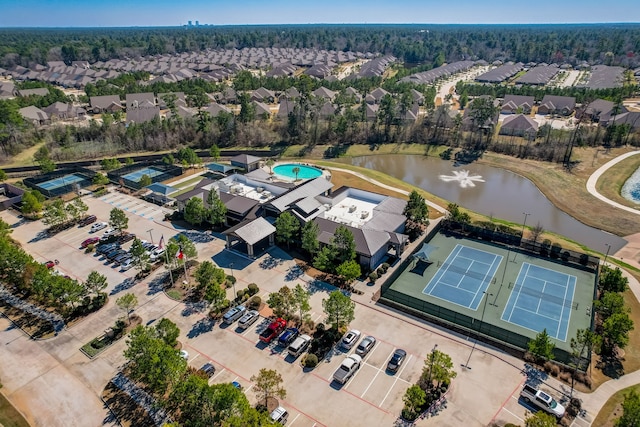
[(486, 298), (431, 361), (607, 254), (151, 234), (526, 214), (233, 282)]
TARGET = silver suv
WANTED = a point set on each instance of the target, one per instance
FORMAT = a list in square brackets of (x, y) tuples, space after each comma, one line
[(233, 314)]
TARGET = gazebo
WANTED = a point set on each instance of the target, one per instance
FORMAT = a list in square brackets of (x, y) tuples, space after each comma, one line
[(251, 233)]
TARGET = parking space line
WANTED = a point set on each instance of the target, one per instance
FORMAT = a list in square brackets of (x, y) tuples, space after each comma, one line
[(507, 399), (397, 378), (294, 420), (221, 371), (505, 409), (193, 358)]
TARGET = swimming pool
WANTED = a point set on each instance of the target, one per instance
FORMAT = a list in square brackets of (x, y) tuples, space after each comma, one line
[(305, 172)]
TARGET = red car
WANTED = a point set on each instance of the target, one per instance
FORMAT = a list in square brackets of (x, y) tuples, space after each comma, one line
[(89, 241), (273, 330), (50, 264)]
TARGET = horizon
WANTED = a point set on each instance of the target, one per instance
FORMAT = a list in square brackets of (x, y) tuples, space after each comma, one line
[(167, 13)]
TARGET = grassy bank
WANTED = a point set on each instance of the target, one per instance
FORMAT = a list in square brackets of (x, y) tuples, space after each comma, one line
[(612, 409), (9, 416), (611, 182)]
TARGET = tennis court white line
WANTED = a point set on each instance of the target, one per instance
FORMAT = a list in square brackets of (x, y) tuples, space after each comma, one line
[(515, 303), (455, 287), (536, 313), (485, 278), (475, 260)]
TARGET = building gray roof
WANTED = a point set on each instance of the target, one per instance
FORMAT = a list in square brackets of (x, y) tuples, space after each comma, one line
[(254, 231), (39, 91), (310, 188), (245, 159), (237, 204), (33, 113), (368, 242), (104, 101), (136, 99), (519, 123)]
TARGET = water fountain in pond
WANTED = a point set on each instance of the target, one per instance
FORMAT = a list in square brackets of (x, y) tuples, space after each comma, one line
[(463, 177)]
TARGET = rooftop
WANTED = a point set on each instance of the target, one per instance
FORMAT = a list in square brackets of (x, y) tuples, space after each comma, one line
[(353, 211)]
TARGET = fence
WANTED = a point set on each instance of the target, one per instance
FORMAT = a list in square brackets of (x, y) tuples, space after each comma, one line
[(168, 171), (35, 181)]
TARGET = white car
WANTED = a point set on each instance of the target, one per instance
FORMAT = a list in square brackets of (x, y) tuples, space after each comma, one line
[(184, 354), (350, 338), (98, 226), (126, 265), (155, 255), (110, 232)]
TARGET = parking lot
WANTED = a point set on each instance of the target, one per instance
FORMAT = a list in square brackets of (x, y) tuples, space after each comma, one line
[(372, 396)]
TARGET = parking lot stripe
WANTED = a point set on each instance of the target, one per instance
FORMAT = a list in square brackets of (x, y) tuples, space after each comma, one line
[(294, 420), (348, 392), (507, 399), (521, 420), (221, 371), (396, 380)]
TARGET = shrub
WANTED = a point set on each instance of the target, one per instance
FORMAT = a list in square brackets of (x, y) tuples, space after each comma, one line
[(380, 271), (90, 248), (565, 376), (253, 289), (255, 302), (551, 368), (311, 361), (385, 266), (231, 280), (245, 297), (373, 276), (320, 327), (240, 294)]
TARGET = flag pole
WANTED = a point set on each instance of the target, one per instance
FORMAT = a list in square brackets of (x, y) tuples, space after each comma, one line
[(166, 253)]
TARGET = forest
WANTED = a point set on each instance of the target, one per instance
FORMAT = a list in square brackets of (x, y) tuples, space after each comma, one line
[(425, 45)]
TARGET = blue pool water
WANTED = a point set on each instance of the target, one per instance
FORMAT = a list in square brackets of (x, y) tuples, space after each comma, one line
[(306, 172)]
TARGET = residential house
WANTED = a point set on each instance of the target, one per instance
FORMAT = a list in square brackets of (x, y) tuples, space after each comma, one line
[(631, 118), (105, 104), (214, 109), (517, 104), (600, 111), (375, 97), (263, 95), (34, 115), (39, 91), (63, 111), (324, 93), (180, 100), (353, 94), (519, 125), (7, 89), (418, 97), (292, 93), (286, 107), (262, 110), (140, 100), (557, 105)]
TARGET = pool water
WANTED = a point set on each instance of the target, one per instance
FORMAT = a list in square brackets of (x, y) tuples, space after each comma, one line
[(631, 188), (306, 172)]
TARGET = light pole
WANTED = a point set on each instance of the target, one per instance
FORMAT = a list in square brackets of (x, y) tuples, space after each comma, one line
[(150, 231), (524, 223), (607, 254), (486, 298), (233, 282), (433, 351)]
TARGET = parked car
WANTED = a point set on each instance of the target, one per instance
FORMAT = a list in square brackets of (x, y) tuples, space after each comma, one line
[(89, 241), (248, 319), (396, 360), (288, 336), (233, 314), (184, 354), (126, 264), (273, 330), (156, 255), (149, 246), (121, 258), (299, 345), (115, 253), (98, 226), (87, 220), (542, 400), (280, 415), (125, 237), (350, 338), (50, 264), (365, 345), (103, 248), (348, 367), (110, 232), (208, 369)]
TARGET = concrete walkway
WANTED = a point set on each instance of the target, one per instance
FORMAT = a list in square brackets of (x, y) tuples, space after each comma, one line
[(388, 187), (593, 179)]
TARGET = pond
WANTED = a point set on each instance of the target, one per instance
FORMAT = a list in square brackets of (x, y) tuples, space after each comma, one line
[(490, 191), (631, 188)]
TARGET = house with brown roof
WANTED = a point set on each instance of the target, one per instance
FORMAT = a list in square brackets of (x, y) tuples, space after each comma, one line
[(34, 115), (263, 95), (140, 100), (600, 111), (516, 104), (558, 105), (62, 111), (519, 125), (105, 104), (39, 91)]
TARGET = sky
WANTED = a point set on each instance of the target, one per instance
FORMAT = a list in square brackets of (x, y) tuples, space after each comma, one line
[(126, 13)]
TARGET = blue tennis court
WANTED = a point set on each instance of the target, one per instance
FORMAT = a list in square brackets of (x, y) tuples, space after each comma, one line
[(541, 298), (137, 175), (61, 181), (464, 276)]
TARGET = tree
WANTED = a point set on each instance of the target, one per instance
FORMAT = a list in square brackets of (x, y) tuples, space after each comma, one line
[(247, 109), (194, 212), (110, 164), (268, 383), (349, 271), (343, 246), (189, 156), (127, 303), (42, 158), (301, 299), (615, 332), (282, 302), (168, 332), (416, 208), (180, 242), (270, 162), (30, 203), (296, 171), (414, 399), (139, 255), (145, 180), (536, 232), (339, 308), (287, 227), (630, 410), (100, 179), (610, 303), (118, 220), (96, 283), (455, 214), (309, 237), (3, 175), (439, 368), (612, 280), (217, 212), (55, 213), (214, 152), (540, 419), (541, 346), (581, 346)]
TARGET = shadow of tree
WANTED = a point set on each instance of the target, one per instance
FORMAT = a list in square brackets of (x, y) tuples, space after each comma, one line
[(293, 273), (158, 283), (535, 377), (611, 366), (42, 235), (124, 285), (193, 307), (202, 326), (270, 262), (124, 408)]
